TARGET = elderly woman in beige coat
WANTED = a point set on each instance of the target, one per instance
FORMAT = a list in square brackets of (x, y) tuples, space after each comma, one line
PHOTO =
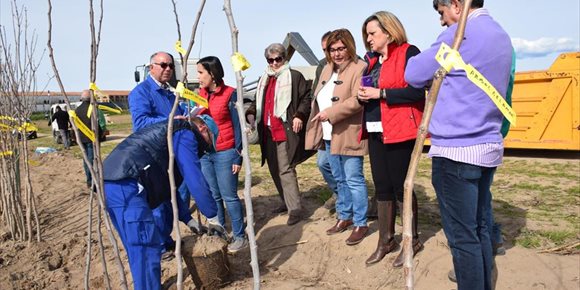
[(335, 121)]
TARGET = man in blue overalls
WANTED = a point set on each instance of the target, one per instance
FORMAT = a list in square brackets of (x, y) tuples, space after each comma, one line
[(137, 181)]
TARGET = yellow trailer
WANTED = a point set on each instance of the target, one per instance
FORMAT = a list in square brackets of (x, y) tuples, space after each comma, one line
[(547, 104)]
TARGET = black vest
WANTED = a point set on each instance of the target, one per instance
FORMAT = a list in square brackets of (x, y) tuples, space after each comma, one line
[(144, 156)]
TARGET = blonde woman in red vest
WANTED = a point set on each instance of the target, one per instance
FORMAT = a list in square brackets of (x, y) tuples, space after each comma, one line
[(392, 114), (221, 168)]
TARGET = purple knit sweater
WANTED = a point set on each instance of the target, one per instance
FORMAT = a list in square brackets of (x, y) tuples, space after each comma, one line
[(464, 115)]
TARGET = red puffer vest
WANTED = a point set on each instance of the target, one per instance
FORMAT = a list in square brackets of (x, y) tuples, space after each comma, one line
[(219, 110), (400, 122)]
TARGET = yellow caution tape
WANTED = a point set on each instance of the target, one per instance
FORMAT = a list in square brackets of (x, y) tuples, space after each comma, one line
[(5, 127), (84, 129), (89, 111), (12, 123), (93, 87), (179, 48), (109, 109), (239, 62), (449, 58), (191, 95), (6, 153), (98, 93)]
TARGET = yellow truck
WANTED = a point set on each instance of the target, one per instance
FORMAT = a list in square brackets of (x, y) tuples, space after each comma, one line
[(547, 105)]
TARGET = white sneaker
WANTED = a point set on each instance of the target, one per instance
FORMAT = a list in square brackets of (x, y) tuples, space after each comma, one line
[(237, 245)]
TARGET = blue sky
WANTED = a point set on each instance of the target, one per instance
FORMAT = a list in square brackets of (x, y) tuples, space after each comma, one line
[(132, 30)]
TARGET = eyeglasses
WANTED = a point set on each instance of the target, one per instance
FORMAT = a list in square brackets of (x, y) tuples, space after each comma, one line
[(272, 60), (165, 65), (338, 49)]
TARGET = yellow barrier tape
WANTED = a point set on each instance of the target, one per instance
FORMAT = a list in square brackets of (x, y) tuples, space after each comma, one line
[(239, 62), (179, 48), (98, 93), (5, 127), (6, 153), (11, 124), (191, 95), (109, 109), (89, 111), (84, 129), (449, 58), (93, 87)]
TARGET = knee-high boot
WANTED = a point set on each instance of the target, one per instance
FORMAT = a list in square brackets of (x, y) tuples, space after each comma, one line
[(417, 245), (386, 219), (372, 210)]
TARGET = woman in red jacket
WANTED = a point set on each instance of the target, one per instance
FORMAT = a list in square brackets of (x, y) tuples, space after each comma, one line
[(222, 167), (392, 115)]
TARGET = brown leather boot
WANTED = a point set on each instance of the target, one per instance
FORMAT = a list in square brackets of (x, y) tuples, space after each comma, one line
[(417, 245), (387, 243), (372, 209)]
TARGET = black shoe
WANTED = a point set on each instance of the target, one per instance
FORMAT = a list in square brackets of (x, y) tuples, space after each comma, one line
[(294, 217), (280, 209), (167, 256)]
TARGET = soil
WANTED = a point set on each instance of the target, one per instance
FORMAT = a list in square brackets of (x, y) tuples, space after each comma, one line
[(289, 257)]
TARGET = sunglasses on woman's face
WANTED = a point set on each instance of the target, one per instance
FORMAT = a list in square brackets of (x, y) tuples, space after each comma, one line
[(272, 60)]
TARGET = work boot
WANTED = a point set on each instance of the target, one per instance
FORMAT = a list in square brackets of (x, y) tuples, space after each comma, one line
[(294, 217), (417, 245), (330, 204), (237, 245), (372, 209), (387, 243)]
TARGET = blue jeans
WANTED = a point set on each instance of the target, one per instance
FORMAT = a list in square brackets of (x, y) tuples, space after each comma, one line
[(352, 200), (90, 155), (325, 170), (134, 221), (64, 135), (217, 170), (464, 196)]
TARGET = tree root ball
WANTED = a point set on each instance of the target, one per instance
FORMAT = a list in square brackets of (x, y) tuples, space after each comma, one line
[(207, 261)]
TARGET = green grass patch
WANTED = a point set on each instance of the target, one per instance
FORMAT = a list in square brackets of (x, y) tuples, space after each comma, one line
[(542, 239)]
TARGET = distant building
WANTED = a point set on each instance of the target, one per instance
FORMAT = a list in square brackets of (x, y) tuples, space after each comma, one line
[(45, 99)]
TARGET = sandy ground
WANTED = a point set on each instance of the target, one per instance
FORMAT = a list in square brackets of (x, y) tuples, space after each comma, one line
[(317, 262)]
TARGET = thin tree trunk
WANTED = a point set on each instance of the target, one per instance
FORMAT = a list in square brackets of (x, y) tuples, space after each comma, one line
[(245, 152), (179, 282), (417, 151), (96, 175), (89, 238)]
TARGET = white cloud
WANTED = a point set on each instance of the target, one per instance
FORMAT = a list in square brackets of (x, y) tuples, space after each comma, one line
[(543, 46)]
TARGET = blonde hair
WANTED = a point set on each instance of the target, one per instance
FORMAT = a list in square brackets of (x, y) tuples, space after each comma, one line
[(389, 24)]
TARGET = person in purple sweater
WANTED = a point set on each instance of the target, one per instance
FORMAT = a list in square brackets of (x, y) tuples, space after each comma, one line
[(467, 145)]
